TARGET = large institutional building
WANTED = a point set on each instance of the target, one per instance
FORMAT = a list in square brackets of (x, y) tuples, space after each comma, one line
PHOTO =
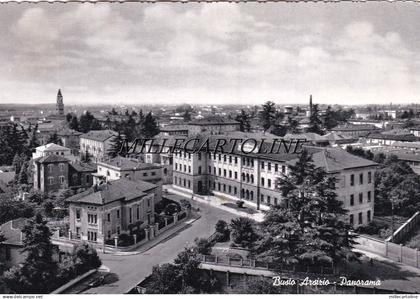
[(252, 177)]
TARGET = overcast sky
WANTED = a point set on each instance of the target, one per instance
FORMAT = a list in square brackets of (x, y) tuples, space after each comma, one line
[(345, 53)]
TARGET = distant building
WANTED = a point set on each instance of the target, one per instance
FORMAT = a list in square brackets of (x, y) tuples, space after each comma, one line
[(174, 130), (105, 211), (130, 169), (389, 137), (213, 126), (53, 170), (97, 143), (71, 139), (11, 249), (355, 130), (415, 131), (51, 173)]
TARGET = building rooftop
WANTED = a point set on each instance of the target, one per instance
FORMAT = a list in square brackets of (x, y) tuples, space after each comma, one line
[(69, 132), (83, 167), (337, 159), (396, 137), (99, 135), (118, 190), (123, 163), (51, 147), (354, 127), (51, 159)]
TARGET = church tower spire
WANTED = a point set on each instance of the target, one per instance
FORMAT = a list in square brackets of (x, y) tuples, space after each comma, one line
[(60, 103)]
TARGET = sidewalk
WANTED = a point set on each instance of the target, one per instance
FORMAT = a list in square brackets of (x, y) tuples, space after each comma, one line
[(216, 202)]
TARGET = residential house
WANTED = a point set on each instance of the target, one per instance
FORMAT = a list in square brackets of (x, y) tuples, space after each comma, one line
[(109, 209), (97, 143)]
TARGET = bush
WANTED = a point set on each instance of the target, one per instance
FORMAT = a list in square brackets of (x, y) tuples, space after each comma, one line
[(125, 240), (222, 231), (243, 233), (171, 209), (203, 246), (372, 228), (85, 258)]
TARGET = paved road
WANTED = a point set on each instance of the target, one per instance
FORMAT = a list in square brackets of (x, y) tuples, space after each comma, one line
[(127, 271)]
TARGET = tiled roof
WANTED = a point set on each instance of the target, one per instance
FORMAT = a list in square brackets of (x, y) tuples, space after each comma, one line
[(99, 135), (409, 145), (51, 159), (353, 127), (127, 164), (12, 231), (111, 191), (396, 137), (83, 167), (337, 159), (51, 147), (307, 136), (69, 132)]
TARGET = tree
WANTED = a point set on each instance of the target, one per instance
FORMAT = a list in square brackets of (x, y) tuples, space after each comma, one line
[(396, 182), (23, 178), (85, 258), (53, 138), (222, 231), (12, 209), (203, 246), (330, 120), (292, 125), (150, 126), (187, 116), (116, 147), (315, 123), (267, 115), (165, 279), (244, 120), (243, 232), (38, 273), (74, 123), (310, 228)]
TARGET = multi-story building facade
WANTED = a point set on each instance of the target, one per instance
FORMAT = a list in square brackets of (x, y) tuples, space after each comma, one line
[(51, 173), (107, 210), (96, 143), (252, 177), (212, 126), (52, 149)]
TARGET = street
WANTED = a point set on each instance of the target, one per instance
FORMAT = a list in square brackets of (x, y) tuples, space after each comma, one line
[(127, 271)]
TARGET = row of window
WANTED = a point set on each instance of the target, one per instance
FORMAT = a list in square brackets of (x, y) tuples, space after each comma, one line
[(361, 178), (360, 218), (246, 161), (361, 198), (51, 167), (179, 167), (182, 182), (61, 179)]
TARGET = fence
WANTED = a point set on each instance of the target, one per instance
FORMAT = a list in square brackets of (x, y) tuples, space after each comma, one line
[(400, 234), (395, 252), (263, 265), (151, 232)]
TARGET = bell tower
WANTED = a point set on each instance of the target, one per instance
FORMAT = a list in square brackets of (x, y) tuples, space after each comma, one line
[(60, 103)]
